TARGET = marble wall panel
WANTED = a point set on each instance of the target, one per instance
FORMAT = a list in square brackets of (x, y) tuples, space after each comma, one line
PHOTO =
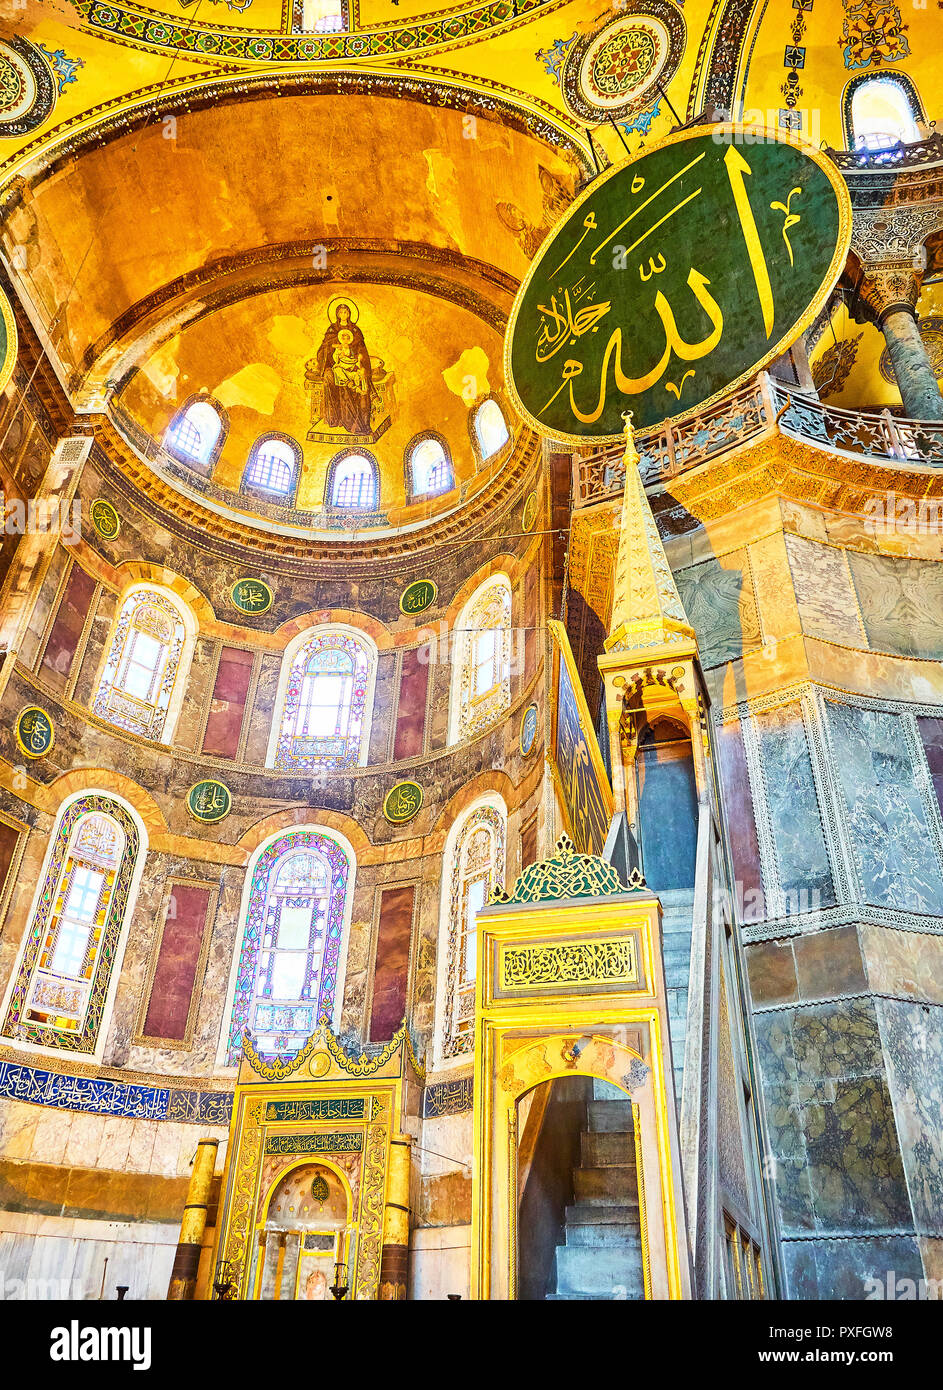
[(778, 610), (719, 600), (827, 601), (88, 1264), (903, 964), (439, 1262), (93, 655), (741, 822), (262, 711), (67, 627), (842, 1269), (901, 602), (831, 1123), (42, 607), (190, 722), (805, 875), (228, 704), (913, 1042), (384, 707), (886, 819), (822, 964)]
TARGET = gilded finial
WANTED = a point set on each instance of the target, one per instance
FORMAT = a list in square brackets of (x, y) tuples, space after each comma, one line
[(631, 455)]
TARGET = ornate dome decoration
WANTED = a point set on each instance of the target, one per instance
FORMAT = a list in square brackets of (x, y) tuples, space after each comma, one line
[(27, 87), (617, 71)]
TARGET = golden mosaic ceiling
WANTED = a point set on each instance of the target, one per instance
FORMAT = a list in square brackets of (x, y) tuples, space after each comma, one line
[(162, 161)]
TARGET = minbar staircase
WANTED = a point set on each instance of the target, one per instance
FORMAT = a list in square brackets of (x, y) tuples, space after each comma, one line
[(677, 912), (602, 1254)]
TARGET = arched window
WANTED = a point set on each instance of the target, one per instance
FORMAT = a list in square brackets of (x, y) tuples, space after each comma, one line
[(884, 113), (474, 866), (481, 680), (72, 942), (324, 702), (273, 466), (193, 435), (354, 483), (430, 470), (491, 431), (144, 663), (287, 976)]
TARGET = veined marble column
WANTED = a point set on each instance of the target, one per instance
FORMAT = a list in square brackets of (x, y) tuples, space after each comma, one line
[(889, 295)]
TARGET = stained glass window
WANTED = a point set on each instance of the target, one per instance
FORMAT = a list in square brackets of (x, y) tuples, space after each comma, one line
[(354, 483), (143, 663), (430, 469), (482, 689), (63, 978), (477, 867), (490, 428), (287, 975), (325, 702), (195, 432), (272, 467)]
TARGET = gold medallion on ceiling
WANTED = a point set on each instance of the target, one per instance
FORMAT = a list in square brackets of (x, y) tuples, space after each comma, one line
[(621, 68)]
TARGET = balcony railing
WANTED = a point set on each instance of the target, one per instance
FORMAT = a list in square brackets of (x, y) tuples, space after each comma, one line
[(899, 156), (763, 407)]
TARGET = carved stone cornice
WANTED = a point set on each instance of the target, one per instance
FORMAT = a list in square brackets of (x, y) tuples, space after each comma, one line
[(215, 532), (884, 234)]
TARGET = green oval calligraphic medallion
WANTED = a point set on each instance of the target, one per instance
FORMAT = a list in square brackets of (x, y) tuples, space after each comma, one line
[(674, 278), (105, 519), (209, 801), (34, 732), (418, 596), (402, 802), (251, 596)]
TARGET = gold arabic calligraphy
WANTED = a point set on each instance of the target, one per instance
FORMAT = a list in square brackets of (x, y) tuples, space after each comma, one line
[(572, 312)]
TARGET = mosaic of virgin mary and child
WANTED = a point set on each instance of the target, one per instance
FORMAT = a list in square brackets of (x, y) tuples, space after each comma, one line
[(351, 391)]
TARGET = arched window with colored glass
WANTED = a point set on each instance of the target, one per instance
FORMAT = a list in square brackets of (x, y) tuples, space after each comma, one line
[(72, 944), (430, 468), (195, 434), (490, 427), (481, 678), (286, 982), (141, 682), (354, 483), (273, 467), (324, 706), (474, 866)]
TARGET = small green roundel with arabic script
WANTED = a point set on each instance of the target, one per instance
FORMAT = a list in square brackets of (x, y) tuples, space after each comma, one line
[(674, 278)]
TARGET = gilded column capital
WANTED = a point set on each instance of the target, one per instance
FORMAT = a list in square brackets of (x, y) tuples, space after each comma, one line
[(889, 288)]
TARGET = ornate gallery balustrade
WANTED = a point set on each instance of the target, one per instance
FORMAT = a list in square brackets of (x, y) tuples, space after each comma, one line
[(899, 156), (763, 407)]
